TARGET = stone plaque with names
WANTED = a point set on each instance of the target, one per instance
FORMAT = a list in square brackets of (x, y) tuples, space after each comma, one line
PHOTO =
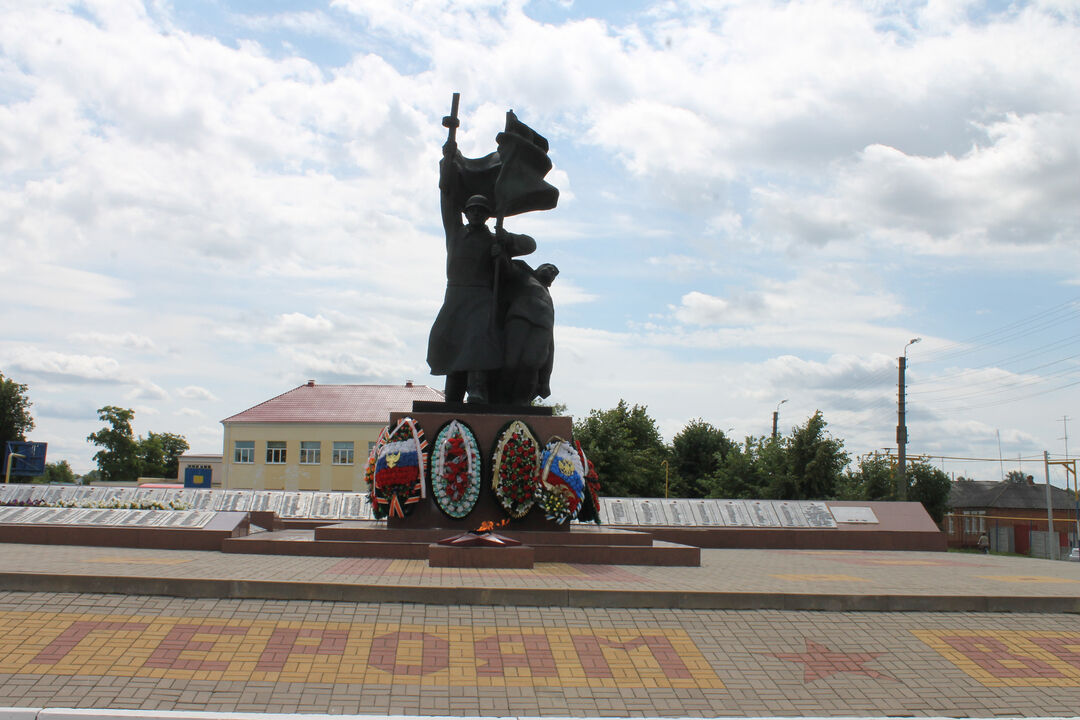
[(78, 495), (5, 491), (649, 512), (789, 513), (54, 494), (109, 494), (6, 512), (77, 516), (37, 515), (128, 518), (234, 501), (762, 513), (265, 501), (853, 514), (366, 512), (88, 495), (705, 513), (182, 496), (619, 511), (295, 505), (32, 514), (325, 505), (155, 518), (678, 512), (190, 518), (147, 495), (37, 494), (20, 493), (15, 514), (203, 499), (735, 513), (169, 495), (352, 506), (817, 514)]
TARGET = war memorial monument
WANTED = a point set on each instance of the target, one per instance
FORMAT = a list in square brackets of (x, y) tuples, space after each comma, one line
[(484, 478)]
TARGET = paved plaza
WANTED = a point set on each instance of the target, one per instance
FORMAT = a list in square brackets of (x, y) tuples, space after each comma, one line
[(616, 656)]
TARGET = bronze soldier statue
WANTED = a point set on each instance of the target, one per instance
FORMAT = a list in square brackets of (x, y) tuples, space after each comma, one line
[(468, 341)]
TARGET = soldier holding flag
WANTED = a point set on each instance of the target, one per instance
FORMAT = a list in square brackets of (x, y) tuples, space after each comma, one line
[(466, 340)]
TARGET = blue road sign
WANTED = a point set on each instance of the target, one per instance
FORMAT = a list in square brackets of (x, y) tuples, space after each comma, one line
[(32, 461)]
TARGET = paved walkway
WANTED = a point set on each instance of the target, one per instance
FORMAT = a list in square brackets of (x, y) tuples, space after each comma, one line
[(727, 579), (147, 652)]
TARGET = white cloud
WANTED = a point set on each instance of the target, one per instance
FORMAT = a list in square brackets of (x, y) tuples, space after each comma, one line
[(127, 341), (194, 392), (755, 195), (67, 367), (147, 390)]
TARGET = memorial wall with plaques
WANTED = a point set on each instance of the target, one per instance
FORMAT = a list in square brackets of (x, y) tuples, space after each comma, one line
[(292, 505), (705, 513), (315, 505)]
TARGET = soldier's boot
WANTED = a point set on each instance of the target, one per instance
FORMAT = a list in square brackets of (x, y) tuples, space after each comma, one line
[(455, 387), (478, 387)]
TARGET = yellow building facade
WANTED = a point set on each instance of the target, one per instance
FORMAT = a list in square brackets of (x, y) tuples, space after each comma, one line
[(314, 437)]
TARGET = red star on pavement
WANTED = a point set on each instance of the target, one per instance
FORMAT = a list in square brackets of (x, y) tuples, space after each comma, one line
[(822, 662)]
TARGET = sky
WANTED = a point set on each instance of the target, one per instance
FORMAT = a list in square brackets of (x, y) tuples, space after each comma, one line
[(204, 204)]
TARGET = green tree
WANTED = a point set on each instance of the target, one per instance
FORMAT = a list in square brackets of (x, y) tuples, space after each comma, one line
[(745, 471), (624, 444), (930, 486), (1015, 477), (15, 417), (873, 480), (118, 459), (159, 454), (814, 461), (696, 453), (59, 472)]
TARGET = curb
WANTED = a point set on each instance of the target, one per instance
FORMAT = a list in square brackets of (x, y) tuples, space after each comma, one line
[(14, 713), (537, 597)]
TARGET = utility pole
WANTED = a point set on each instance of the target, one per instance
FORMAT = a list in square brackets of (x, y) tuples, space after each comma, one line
[(901, 428), (776, 417), (1065, 425), (1001, 460), (1051, 538)]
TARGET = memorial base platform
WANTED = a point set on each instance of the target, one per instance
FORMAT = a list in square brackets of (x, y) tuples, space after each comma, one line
[(221, 526), (584, 545), (520, 557)]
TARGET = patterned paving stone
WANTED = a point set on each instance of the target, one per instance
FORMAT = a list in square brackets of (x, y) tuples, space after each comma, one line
[(159, 653)]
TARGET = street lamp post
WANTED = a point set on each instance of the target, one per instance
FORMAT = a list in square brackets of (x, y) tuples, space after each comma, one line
[(901, 428), (776, 417)]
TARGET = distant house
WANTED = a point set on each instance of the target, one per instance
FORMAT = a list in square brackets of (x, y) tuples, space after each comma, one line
[(314, 437), (209, 462), (1008, 513)]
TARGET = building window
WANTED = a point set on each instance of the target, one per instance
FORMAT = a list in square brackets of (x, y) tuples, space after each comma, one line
[(973, 523), (370, 447), (310, 452), (343, 453), (275, 452), (243, 452)]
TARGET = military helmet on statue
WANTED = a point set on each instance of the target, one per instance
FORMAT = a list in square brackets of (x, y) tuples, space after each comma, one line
[(480, 201)]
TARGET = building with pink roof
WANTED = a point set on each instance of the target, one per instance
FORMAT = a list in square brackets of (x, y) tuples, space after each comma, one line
[(313, 437)]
